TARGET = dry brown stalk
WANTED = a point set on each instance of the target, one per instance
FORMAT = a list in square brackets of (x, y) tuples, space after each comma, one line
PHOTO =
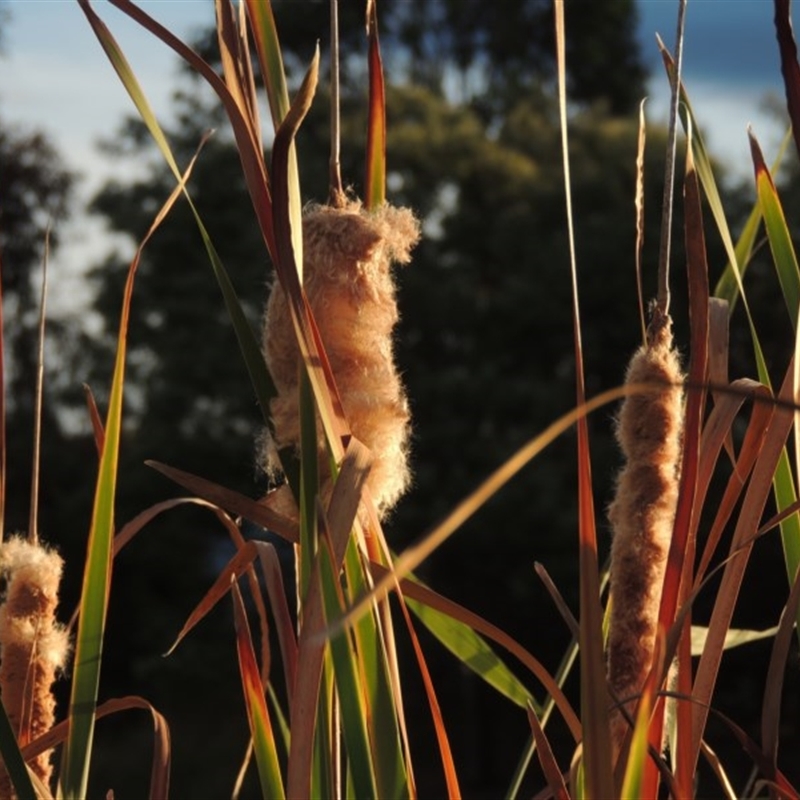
[(348, 255), (649, 431), (33, 645)]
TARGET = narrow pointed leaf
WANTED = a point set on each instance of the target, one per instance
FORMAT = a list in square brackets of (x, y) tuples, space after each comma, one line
[(2, 416), (353, 710), (472, 622), (546, 758), (633, 781), (248, 146), (594, 693), (747, 524), (264, 746), (253, 170), (376, 120), (234, 569), (97, 573), (780, 240), (789, 66), (442, 738), (773, 686), (270, 59), (473, 652), (734, 637), (234, 502)]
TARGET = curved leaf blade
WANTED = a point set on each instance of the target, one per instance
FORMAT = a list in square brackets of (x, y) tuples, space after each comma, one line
[(264, 745)]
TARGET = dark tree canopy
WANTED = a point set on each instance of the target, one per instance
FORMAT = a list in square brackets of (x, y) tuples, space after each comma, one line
[(34, 190), (493, 50)]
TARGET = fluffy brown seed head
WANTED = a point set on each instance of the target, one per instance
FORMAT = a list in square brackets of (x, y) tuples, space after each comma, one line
[(33, 646), (348, 255), (649, 431)]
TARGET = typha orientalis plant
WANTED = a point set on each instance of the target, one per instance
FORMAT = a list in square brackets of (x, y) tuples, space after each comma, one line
[(34, 646), (642, 514)]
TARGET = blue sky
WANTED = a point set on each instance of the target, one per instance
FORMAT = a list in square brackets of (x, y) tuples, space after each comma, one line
[(730, 63)]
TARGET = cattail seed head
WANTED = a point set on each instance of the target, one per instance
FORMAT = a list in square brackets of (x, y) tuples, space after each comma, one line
[(348, 255), (649, 432), (33, 646)]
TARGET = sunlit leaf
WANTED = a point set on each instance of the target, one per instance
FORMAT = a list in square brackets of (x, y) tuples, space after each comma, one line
[(97, 573), (375, 192), (264, 747)]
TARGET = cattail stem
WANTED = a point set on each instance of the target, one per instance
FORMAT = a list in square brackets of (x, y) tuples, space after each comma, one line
[(33, 522), (337, 196), (669, 171)]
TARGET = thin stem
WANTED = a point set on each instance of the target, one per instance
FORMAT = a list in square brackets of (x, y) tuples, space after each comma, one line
[(33, 523), (336, 190), (2, 416), (669, 171)]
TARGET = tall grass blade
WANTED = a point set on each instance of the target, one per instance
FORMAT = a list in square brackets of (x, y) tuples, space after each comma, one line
[(97, 573), (448, 764), (789, 277), (547, 759), (2, 415), (371, 638), (773, 685), (236, 68), (634, 778), (233, 570), (564, 668), (594, 694), (264, 745), (249, 149), (270, 59), (730, 285), (375, 192), (382, 697), (33, 523), (309, 485), (678, 579), (789, 66), (780, 240), (474, 653), (349, 688), (265, 34), (254, 171), (743, 537), (734, 637), (273, 578), (717, 429)]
